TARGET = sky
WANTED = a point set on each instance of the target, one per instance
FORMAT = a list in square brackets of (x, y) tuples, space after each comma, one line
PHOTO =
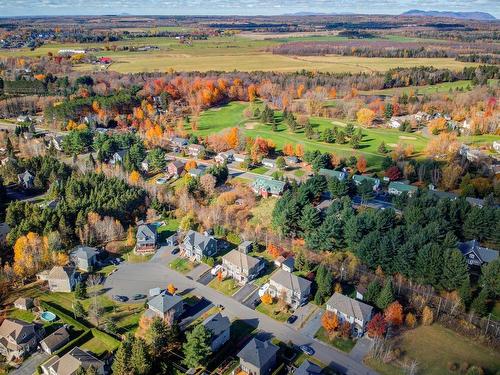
[(235, 7)]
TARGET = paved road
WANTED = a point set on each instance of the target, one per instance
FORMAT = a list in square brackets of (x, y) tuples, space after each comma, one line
[(12, 126), (130, 279)]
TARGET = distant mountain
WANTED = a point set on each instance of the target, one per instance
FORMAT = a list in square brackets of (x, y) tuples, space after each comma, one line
[(480, 16), (318, 14)]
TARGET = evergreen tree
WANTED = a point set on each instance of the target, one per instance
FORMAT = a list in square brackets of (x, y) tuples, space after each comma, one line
[(91, 370), (386, 296), (310, 219), (158, 336), (78, 310), (455, 270), (197, 346), (382, 148), (139, 359), (465, 293), (372, 291), (80, 291), (428, 265), (490, 277), (121, 363), (324, 282), (338, 188), (479, 305)]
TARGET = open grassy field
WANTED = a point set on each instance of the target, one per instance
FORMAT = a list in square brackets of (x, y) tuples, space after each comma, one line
[(217, 121), (227, 53), (434, 347)]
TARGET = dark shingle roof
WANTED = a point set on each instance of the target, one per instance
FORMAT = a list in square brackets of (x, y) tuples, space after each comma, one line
[(350, 307), (485, 254), (290, 281), (308, 368), (258, 353), (217, 324)]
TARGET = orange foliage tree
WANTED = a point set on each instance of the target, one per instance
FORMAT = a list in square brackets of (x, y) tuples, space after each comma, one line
[(233, 138), (288, 149), (134, 177), (274, 251), (266, 299), (299, 150), (394, 313), (190, 164), (330, 322), (361, 164), (171, 289)]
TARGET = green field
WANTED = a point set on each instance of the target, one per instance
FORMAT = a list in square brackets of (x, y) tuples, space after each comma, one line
[(181, 265), (216, 121), (434, 347), (227, 287), (228, 53)]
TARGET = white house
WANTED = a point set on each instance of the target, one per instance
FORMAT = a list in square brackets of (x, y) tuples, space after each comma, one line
[(347, 309)]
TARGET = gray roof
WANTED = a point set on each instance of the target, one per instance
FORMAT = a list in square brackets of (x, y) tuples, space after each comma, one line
[(289, 262), (178, 164), (217, 324), (146, 231), (56, 339), (258, 353), (339, 175), (84, 252), (485, 254), (443, 194), (240, 259), (350, 307), (196, 239), (18, 330), (196, 172), (308, 368), (290, 281), (164, 302), (402, 187), (120, 153), (26, 176), (268, 161), (69, 363), (61, 273)]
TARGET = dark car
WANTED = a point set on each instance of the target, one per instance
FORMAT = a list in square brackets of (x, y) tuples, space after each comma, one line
[(307, 349), (120, 298), (175, 250), (136, 297), (291, 319)]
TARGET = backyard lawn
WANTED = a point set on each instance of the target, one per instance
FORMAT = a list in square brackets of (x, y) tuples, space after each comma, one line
[(165, 231), (227, 287), (435, 347), (26, 316), (181, 265), (273, 311), (340, 343)]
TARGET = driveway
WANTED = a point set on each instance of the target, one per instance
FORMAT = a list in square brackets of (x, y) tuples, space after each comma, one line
[(28, 367), (206, 278), (164, 255), (130, 279), (310, 328), (198, 271), (361, 349), (252, 300), (242, 294)]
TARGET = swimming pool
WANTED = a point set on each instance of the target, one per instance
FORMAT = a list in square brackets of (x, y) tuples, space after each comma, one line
[(48, 316)]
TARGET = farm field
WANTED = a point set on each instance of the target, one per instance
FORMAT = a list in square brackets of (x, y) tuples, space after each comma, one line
[(426, 343), (229, 53), (212, 121)]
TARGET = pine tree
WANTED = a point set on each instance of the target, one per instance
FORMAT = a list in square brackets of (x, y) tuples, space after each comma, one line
[(428, 265), (121, 363), (80, 291), (382, 148), (372, 291), (197, 346), (455, 271), (490, 277), (465, 293), (139, 359), (386, 296), (479, 305), (158, 336), (78, 310), (310, 219)]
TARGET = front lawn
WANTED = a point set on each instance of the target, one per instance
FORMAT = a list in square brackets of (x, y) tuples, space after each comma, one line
[(260, 170), (434, 348), (273, 311), (339, 343), (227, 287), (133, 257), (181, 265)]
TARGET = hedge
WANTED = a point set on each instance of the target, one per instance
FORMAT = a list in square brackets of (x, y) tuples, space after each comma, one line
[(107, 339), (83, 338)]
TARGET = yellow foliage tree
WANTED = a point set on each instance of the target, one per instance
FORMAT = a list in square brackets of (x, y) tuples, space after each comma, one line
[(427, 316), (31, 253), (365, 116), (190, 164), (410, 320), (266, 299), (171, 289), (134, 177)]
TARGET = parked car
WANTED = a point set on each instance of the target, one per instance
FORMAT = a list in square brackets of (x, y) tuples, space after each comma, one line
[(175, 250), (291, 319), (161, 181), (307, 349), (136, 297), (263, 289), (119, 298), (214, 271)]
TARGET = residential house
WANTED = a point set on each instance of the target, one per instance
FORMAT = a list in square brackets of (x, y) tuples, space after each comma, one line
[(26, 180), (23, 303), (166, 306), (224, 157), (175, 167), (56, 141), (339, 175), (357, 313), (291, 160), (17, 338), (242, 267), (195, 150), (475, 254), (147, 238), (245, 247), (294, 289), (279, 261), (324, 205), (441, 194), (398, 188), (220, 327), (179, 142), (240, 158), (496, 146), (197, 172), (270, 163), (71, 362), (197, 245), (62, 279), (288, 264), (308, 368), (84, 257), (361, 291), (359, 179), (268, 186), (258, 357), (55, 340), (118, 157), (145, 165)]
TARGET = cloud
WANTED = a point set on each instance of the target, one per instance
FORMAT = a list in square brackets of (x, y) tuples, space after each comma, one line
[(248, 7)]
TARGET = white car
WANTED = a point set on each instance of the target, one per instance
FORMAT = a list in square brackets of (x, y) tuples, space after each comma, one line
[(263, 289), (216, 270)]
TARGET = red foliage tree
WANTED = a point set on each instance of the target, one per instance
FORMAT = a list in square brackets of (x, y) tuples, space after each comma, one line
[(393, 173), (377, 326)]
